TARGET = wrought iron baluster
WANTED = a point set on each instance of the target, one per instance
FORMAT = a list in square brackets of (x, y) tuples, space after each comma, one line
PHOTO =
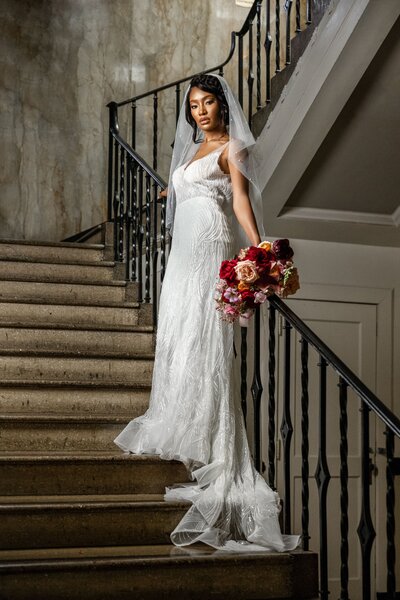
[(128, 218), (286, 430), (298, 21), (147, 239), (140, 235), (250, 77), (271, 397), (121, 211), (110, 178), (155, 254), (177, 101), (344, 494), (305, 494), (133, 127), (277, 36), (116, 199), (243, 371), (309, 12), (221, 71), (256, 390), (322, 477), (390, 518), (365, 530), (135, 223), (163, 238), (267, 46), (155, 131), (289, 4), (258, 72), (240, 71)]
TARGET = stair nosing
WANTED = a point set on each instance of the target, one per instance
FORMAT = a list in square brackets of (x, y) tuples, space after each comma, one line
[(41, 243), (153, 561)]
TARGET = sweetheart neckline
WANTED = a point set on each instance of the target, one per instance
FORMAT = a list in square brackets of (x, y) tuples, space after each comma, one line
[(191, 162)]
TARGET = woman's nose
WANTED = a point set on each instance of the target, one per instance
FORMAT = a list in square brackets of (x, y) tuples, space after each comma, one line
[(203, 110)]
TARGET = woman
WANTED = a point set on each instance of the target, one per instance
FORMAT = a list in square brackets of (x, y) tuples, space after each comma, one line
[(212, 210)]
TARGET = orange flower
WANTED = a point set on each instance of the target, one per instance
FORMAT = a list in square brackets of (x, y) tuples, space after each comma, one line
[(265, 245), (243, 286), (275, 272)]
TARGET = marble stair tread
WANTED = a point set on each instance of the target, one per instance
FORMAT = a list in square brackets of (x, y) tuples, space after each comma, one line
[(84, 472), (29, 522), (113, 292), (55, 252), (77, 401), (102, 271), (139, 342), (49, 244), (158, 571), (32, 431), (159, 550), (128, 316), (77, 500), (75, 371)]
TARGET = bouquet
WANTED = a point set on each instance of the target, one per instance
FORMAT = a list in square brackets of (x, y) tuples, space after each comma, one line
[(254, 274)]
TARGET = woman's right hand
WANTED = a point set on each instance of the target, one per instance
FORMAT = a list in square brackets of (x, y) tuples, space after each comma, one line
[(163, 193)]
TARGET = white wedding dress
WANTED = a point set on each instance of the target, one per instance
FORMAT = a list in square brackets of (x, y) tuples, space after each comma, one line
[(193, 416)]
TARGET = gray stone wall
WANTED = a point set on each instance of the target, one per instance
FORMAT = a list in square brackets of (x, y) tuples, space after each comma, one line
[(61, 61)]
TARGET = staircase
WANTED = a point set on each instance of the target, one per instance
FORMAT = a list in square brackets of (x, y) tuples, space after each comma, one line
[(80, 519)]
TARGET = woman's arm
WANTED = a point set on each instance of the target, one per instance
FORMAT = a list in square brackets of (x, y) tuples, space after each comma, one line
[(242, 205)]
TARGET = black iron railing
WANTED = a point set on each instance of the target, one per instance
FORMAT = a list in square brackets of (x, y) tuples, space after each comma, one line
[(370, 405), (138, 214)]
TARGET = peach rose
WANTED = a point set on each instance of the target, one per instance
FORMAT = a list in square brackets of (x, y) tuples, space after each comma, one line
[(246, 271), (265, 245)]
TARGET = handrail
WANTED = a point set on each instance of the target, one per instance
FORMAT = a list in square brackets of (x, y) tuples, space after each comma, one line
[(114, 131), (373, 402)]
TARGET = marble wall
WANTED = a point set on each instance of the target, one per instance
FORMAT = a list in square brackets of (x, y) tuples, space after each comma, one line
[(61, 61)]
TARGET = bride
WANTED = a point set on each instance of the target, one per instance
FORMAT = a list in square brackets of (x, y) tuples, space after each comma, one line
[(213, 210)]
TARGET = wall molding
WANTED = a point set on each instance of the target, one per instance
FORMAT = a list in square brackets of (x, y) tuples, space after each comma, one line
[(343, 216)]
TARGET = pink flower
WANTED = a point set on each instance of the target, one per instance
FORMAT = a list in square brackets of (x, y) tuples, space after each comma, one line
[(230, 310), (260, 297), (231, 295), (246, 271)]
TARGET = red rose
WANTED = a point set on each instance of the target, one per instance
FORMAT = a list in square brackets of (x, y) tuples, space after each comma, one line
[(227, 271), (248, 297), (282, 249), (261, 257)]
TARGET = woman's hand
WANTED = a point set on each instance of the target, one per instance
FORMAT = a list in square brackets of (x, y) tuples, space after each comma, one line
[(163, 194)]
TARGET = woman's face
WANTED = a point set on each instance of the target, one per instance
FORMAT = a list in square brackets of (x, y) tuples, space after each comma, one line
[(205, 109)]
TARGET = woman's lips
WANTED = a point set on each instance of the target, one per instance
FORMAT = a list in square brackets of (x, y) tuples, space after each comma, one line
[(204, 121)]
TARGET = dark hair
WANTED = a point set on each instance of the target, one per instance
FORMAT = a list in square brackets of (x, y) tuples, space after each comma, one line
[(207, 83)]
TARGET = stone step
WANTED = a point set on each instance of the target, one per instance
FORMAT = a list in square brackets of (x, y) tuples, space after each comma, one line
[(20, 314), (75, 342), (65, 473), (103, 271), (164, 571), (50, 252), (73, 521), (79, 372), (111, 293), (74, 401), (59, 433)]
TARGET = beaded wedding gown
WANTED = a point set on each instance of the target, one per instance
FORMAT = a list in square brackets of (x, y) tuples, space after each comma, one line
[(193, 415)]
